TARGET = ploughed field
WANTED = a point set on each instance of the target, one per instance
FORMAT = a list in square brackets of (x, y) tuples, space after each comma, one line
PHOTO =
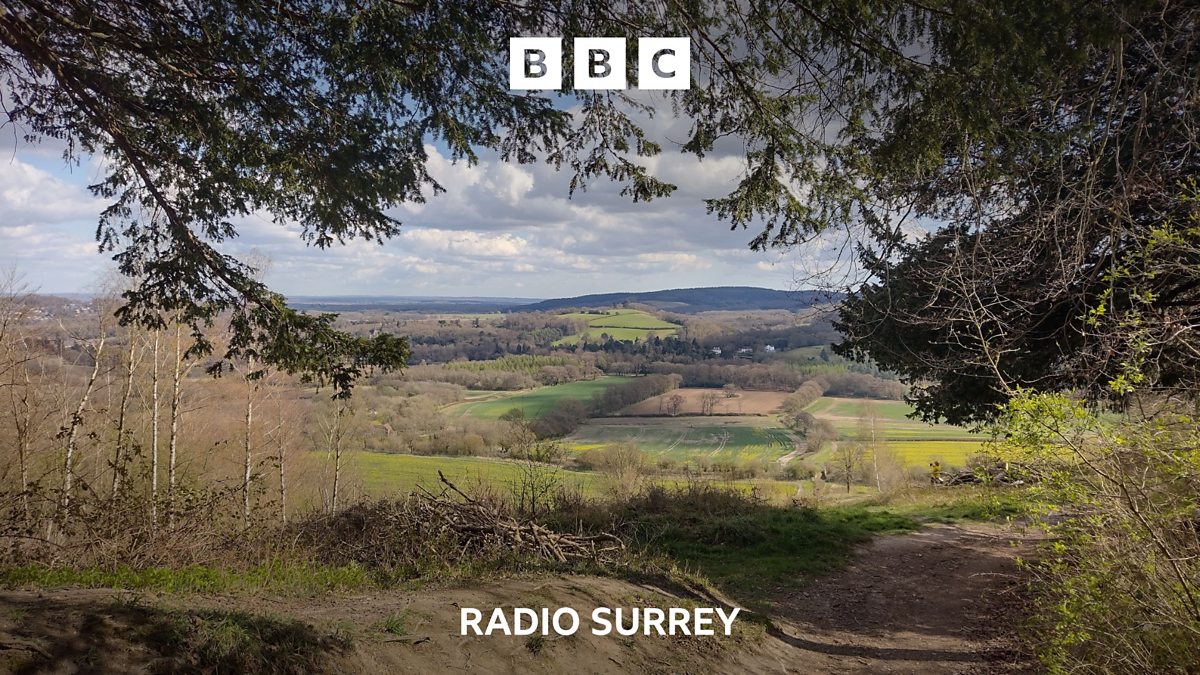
[(743, 429), (692, 403)]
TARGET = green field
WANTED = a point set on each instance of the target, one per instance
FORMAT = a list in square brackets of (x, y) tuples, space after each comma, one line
[(844, 414), (745, 440), (681, 440), (536, 401), (949, 453), (391, 475), (471, 395), (917, 454), (619, 324), (385, 474), (914, 442)]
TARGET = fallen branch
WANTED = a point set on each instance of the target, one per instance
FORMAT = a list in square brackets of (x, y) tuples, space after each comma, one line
[(482, 526)]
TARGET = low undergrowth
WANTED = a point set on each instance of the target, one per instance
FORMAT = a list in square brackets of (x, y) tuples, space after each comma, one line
[(290, 578), (694, 534), (127, 636), (696, 537), (737, 542), (950, 505), (239, 642)]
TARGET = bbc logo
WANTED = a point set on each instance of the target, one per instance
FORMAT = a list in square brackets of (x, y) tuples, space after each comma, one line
[(536, 63)]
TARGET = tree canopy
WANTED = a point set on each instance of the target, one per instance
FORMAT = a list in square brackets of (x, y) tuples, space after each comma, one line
[(1066, 253), (867, 114)]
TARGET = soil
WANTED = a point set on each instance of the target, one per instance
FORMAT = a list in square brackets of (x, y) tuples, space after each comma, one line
[(945, 599), (941, 600), (744, 403)]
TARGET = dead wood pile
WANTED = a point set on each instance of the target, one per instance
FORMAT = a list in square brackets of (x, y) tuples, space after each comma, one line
[(484, 526)]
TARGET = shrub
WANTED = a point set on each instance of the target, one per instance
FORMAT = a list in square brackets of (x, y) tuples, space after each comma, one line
[(1119, 582)]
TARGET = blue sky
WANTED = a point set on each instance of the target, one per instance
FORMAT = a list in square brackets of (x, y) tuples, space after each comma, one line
[(499, 230)]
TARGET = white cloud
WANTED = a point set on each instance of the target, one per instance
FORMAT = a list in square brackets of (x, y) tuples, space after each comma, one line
[(509, 183), (471, 244), (673, 261), (499, 229), (31, 195)]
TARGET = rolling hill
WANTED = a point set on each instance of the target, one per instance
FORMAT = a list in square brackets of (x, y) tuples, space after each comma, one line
[(692, 300)]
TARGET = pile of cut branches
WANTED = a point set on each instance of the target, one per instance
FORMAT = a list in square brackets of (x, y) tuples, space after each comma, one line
[(445, 529), (997, 472), (484, 526)]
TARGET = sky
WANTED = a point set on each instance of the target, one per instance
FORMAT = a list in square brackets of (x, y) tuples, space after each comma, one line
[(499, 230)]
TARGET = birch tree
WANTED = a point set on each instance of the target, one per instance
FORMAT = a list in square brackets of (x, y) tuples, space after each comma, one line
[(94, 348)]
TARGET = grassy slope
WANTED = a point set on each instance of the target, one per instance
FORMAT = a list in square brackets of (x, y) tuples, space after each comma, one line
[(391, 475), (536, 401), (913, 441), (680, 439), (752, 555), (740, 443), (620, 324), (385, 474)]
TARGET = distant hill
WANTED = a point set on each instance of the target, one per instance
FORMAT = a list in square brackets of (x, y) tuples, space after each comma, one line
[(682, 300), (692, 300), (415, 303)]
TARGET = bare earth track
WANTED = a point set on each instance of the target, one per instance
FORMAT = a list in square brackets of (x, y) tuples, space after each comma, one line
[(942, 600), (945, 599)]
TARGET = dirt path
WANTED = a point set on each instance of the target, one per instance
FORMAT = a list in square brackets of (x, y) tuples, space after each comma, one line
[(797, 443), (941, 600), (936, 601)]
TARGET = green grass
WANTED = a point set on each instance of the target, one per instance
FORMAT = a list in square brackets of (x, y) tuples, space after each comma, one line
[(216, 641), (278, 577), (851, 407), (915, 453), (753, 555), (715, 442), (894, 423), (471, 395), (619, 324), (536, 401), (388, 475), (395, 624), (965, 503)]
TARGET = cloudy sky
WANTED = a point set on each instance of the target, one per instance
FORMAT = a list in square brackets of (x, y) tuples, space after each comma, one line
[(499, 230)]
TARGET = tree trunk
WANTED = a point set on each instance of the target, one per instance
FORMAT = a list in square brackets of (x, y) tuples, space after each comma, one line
[(118, 456), (75, 424), (154, 409), (23, 458), (875, 456), (251, 387), (173, 443), (282, 476), (337, 454), (22, 411)]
